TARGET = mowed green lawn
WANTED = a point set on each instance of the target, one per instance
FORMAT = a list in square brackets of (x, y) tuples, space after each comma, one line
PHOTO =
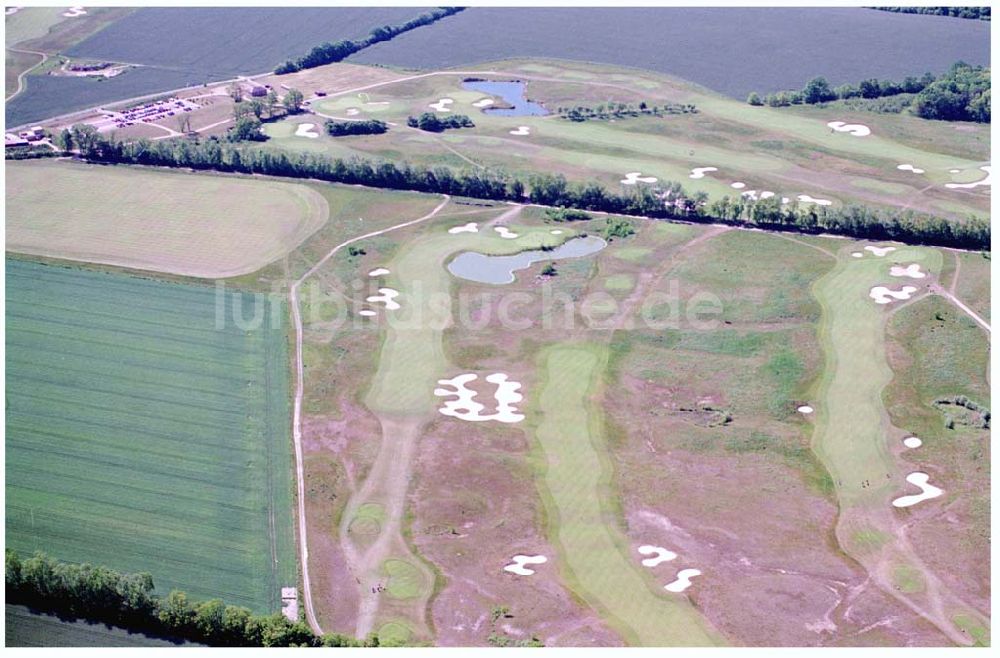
[(142, 437)]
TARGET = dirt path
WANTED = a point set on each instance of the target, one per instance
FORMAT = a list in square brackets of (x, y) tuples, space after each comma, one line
[(21, 76), (957, 302), (956, 273), (293, 295)]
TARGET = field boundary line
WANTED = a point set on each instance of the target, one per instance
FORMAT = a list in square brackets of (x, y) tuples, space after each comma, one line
[(293, 294)]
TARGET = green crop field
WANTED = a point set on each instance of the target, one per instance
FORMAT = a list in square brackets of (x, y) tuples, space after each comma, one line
[(142, 437), (23, 628)]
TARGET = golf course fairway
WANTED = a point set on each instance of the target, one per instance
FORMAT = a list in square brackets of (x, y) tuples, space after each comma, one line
[(575, 491), (852, 435)]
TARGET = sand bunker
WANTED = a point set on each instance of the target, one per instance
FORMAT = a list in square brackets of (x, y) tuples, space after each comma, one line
[(879, 251), (659, 554), (699, 172), (912, 442), (520, 560), (883, 295), (379, 271), (857, 254), (465, 406), (634, 177), (353, 111), (306, 130), (912, 270), (683, 580), (525, 130), (471, 227), (988, 181), (856, 129), (367, 313), (505, 232), (483, 102), (909, 167), (805, 198), (805, 409), (12, 10), (754, 196), (927, 491), (556, 231), (73, 12), (386, 296), (954, 171), (442, 105), (738, 185)]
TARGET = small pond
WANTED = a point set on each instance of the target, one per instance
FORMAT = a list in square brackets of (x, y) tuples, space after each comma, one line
[(512, 92), (474, 266)]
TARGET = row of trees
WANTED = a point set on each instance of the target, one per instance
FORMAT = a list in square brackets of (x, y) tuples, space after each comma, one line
[(433, 123), (974, 13), (329, 52), (368, 127), (100, 594), (818, 90), (607, 111), (669, 201)]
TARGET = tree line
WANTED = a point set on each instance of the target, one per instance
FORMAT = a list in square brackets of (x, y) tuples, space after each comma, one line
[(329, 52), (100, 594), (960, 94), (367, 127), (973, 13), (604, 112), (667, 201)]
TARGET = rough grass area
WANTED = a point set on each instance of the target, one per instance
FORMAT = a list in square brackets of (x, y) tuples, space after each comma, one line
[(194, 225), (23, 628), (143, 437)]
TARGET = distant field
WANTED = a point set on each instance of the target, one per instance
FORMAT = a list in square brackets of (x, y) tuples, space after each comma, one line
[(202, 226), (142, 437), (24, 628)]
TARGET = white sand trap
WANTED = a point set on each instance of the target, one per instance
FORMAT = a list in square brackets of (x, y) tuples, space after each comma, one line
[(556, 231), (659, 554), (483, 102), (353, 111), (386, 296), (379, 271), (857, 254), (683, 580), (367, 313), (465, 406), (927, 491), (699, 172), (883, 295), (766, 194), (879, 251), (471, 227), (521, 130), (306, 130), (505, 232), (521, 560), (805, 409), (634, 177), (912, 270), (442, 105), (856, 129), (738, 185), (954, 171), (805, 198), (785, 200), (73, 12), (909, 167), (988, 181), (912, 442), (749, 194)]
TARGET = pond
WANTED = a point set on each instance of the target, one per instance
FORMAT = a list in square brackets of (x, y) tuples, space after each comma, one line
[(512, 92), (499, 270)]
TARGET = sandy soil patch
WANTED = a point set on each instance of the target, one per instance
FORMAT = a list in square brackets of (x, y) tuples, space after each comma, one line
[(465, 407), (805, 198), (442, 105), (879, 251), (519, 561), (471, 227), (386, 296), (683, 580), (521, 130), (505, 232), (805, 409), (912, 270), (483, 102), (659, 555), (306, 130), (378, 271), (634, 177), (912, 442), (699, 172), (909, 167), (73, 12), (927, 491), (883, 295), (988, 181), (855, 129)]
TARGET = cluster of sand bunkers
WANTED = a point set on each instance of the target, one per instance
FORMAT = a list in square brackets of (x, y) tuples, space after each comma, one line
[(442, 105), (465, 407), (73, 12), (658, 555), (386, 296), (306, 130)]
